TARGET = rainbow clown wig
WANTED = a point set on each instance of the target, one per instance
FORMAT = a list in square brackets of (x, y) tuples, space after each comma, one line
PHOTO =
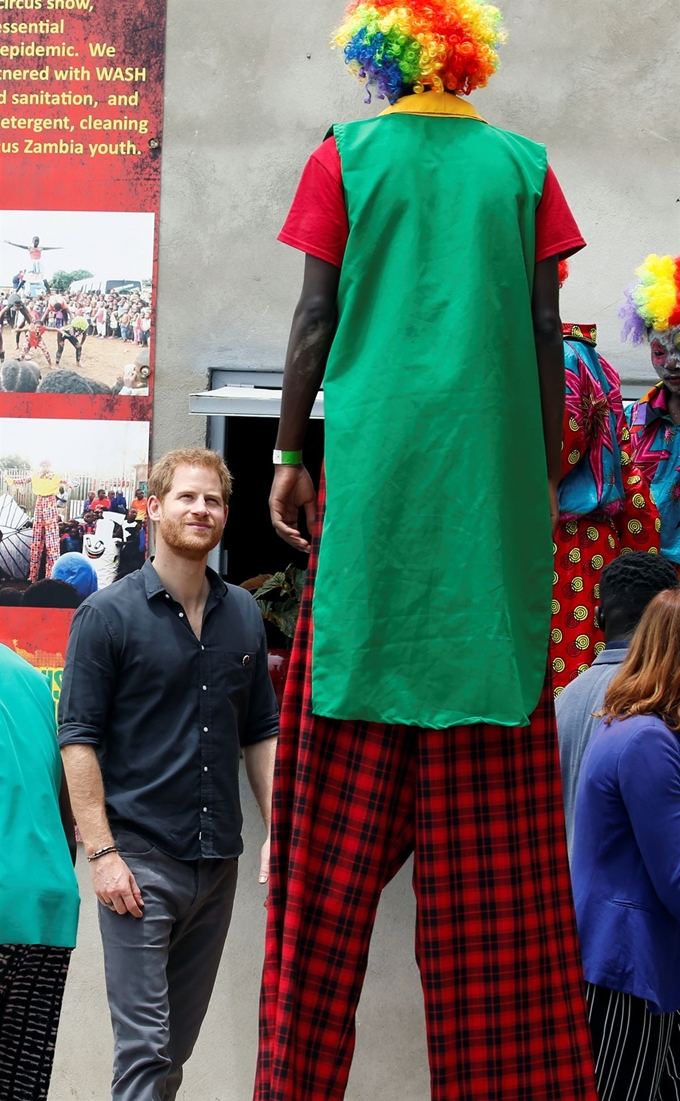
[(445, 45), (653, 302)]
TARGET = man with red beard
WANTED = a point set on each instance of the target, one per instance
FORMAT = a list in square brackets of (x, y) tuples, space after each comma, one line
[(165, 682)]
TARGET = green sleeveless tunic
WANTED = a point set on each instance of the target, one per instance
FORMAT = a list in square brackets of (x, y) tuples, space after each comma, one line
[(432, 602)]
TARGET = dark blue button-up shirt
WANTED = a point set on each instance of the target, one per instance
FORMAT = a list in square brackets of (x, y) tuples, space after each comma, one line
[(168, 713)]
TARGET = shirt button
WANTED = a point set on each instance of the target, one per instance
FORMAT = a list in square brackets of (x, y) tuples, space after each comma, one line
[(205, 730), (202, 647), (181, 615), (205, 810), (205, 768), (246, 659), (205, 687), (167, 596)]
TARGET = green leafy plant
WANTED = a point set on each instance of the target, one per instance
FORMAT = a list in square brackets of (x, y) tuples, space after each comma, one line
[(61, 280), (278, 596)]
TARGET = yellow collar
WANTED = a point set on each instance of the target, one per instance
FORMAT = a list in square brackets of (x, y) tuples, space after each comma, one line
[(434, 103)]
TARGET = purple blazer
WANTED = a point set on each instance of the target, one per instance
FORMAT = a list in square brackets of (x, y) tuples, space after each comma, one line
[(626, 860)]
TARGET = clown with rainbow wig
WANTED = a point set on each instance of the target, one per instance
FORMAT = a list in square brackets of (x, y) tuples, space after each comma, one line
[(419, 714), (651, 313), (605, 504)]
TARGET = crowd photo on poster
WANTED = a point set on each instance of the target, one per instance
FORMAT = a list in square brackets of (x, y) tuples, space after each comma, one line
[(76, 302), (73, 511)]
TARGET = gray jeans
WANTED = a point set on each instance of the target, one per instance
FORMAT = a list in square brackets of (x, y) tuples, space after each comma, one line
[(161, 969)]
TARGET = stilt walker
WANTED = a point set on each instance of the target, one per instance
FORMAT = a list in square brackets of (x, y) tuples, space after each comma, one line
[(45, 484), (418, 715)]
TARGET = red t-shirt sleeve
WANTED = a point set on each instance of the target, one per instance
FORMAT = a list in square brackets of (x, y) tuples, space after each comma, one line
[(557, 233), (317, 222)]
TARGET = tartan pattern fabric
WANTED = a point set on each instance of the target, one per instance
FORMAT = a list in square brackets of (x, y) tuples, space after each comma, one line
[(496, 941), (32, 980), (45, 534)]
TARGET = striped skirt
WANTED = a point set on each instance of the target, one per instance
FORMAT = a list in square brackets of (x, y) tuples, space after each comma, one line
[(637, 1053), (32, 980)]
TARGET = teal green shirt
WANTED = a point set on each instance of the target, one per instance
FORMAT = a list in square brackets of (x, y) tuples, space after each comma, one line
[(39, 897)]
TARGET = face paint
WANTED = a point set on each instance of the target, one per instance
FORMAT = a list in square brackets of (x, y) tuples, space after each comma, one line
[(665, 349)]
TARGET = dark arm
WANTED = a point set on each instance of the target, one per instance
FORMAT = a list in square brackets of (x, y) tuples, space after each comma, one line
[(67, 816), (15, 245), (310, 342), (545, 308), (51, 248)]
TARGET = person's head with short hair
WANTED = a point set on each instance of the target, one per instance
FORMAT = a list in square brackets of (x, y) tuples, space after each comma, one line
[(9, 597), (51, 593), (626, 587), (188, 494), (19, 377), (36, 242), (101, 495), (648, 682), (139, 493), (398, 46)]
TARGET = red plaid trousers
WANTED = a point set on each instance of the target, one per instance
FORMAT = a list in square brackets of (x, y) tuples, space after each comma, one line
[(45, 535), (481, 809)]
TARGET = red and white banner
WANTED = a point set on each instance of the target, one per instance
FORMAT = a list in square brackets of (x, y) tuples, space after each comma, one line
[(81, 111)]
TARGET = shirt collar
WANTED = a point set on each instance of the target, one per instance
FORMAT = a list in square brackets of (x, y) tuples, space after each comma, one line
[(613, 654), (153, 584), (617, 644), (652, 407), (434, 103)]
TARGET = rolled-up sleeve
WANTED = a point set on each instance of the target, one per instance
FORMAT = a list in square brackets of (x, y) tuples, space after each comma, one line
[(263, 712), (89, 680)]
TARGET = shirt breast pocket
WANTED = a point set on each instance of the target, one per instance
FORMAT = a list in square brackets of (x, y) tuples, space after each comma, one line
[(236, 674)]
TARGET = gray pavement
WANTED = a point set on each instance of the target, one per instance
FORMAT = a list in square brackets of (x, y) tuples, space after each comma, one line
[(391, 1057)]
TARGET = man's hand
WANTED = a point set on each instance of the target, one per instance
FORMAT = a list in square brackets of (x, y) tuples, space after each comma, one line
[(115, 886), (264, 861), (264, 867), (292, 490)]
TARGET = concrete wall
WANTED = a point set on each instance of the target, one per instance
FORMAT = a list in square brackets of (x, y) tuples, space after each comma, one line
[(251, 89), (390, 1030)]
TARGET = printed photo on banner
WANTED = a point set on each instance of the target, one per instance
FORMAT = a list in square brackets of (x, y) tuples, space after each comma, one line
[(73, 511), (76, 302)]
